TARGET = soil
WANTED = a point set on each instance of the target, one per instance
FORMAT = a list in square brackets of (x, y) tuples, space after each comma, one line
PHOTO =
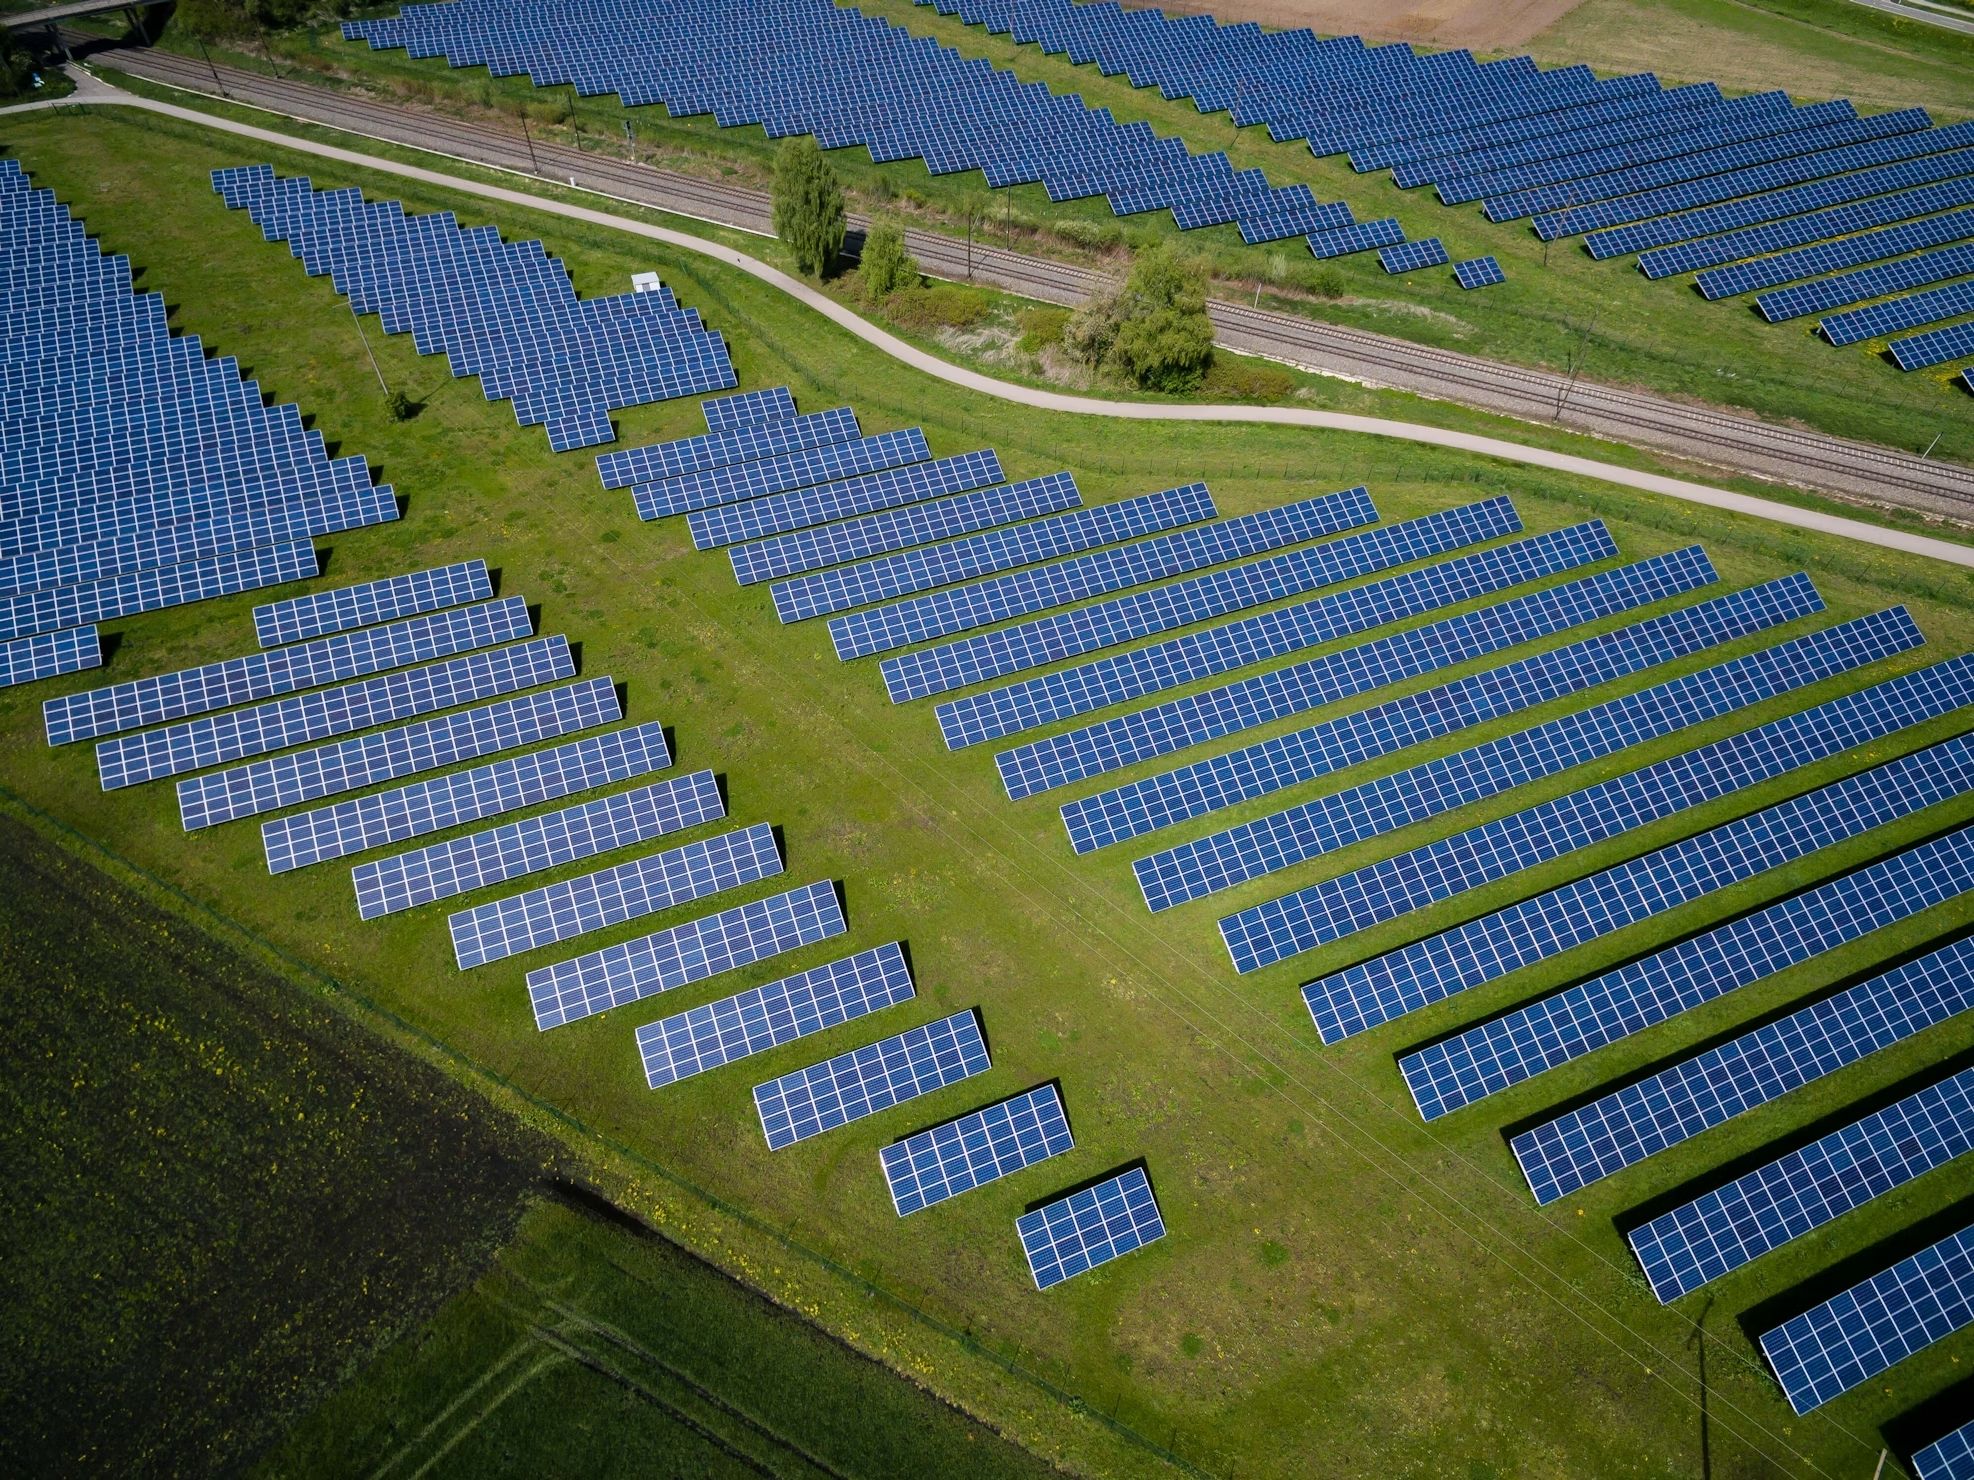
[(1442, 25)]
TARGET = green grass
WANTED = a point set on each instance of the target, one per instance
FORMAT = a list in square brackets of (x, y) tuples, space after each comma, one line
[(1339, 1280)]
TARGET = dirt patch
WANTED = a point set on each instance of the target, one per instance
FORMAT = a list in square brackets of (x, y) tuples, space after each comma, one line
[(1482, 25)]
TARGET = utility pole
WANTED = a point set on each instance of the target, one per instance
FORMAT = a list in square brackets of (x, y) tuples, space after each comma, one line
[(356, 319), (630, 142), (533, 163), (212, 69), (1930, 446)]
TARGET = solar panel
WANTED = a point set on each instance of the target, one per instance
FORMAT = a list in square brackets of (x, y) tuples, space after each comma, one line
[(215, 739), (1867, 282), (1875, 1324), (443, 870), (1091, 1227), (1410, 256), (1800, 1192), (871, 1079), (1546, 925), (928, 566), (1935, 347), (1504, 1052), (1018, 593), (155, 590), (365, 760), (788, 470), (324, 612), (719, 449), (758, 518), (1949, 1458), (49, 654), (762, 1018), (896, 529), (1909, 312), (644, 886), (263, 675), (1282, 927), (995, 1141), (466, 796), (684, 954), (1361, 237), (1478, 272), (1181, 660), (749, 408)]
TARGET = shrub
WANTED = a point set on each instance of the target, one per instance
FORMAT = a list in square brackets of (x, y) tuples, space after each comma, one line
[(16, 67), (808, 206), (1164, 338), (937, 306), (1326, 282), (1246, 380), (1041, 327), (401, 406), (886, 265), (1091, 235)]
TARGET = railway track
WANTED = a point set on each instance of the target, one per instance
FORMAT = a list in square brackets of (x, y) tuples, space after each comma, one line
[(1708, 436)]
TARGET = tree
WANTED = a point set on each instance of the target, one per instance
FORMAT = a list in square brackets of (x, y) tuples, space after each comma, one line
[(808, 214), (16, 67), (886, 265), (1154, 329)]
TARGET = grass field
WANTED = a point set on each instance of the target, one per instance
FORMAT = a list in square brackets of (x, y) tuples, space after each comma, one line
[(1339, 1283), (1626, 330)]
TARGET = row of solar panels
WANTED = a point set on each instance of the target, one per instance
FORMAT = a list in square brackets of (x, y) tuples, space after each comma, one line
[(504, 311), (904, 585), (136, 474)]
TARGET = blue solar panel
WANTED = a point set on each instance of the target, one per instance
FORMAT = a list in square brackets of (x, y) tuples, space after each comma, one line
[(466, 796), (1483, 950), (1933, 348), (921, 569), (1344, 241), (644, 886), (1726, 272), (789, 470), (365, 760), (1495, 1055), (684, 954), (1478, 272), (373, 601), (719, 449), (263, 675), (1018, 593), (867, 1080), (762, 1018), (1868, 282), (1949, 1458), (897, 529), (1433, 872), (1909, 312), (1078, 1232), (215, 739), (1170, 664), (1808, 1188), (749, 408), (462, 865), (757, 518), (1876, 1323), (993, 1142), (1410, 256), (49, 654), (155, 590), (1274, 764)]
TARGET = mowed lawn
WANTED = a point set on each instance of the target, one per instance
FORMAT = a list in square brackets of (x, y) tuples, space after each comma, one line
[(1341, 1287)]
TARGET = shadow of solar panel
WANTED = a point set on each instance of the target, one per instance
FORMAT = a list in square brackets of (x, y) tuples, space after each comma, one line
[(263, 675), (1875, 1324), (462, 865), (1272, 765), (897, 529), (49, 654), (749, 408), (684, 954), (1949, 1458), (993, 1142), (156, 590), (1267, 932), (871, 1079), (467, 796), (1073, 1234), (779, 474), (762, 1018), (757, 518), (1505, 1051), (644, 886), (365, 760), (215, 739), (985, 554)]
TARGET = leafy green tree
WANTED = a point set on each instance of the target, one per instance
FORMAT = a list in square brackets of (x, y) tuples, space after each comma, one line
[(886, 266), (16, 67), (808, 214), (1165, 340)]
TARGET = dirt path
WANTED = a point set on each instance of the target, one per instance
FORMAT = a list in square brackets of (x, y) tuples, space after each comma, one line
[(1482, 25)]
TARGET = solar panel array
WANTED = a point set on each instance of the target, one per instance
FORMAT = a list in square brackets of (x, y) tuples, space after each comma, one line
[(136, 472), (1866, 283), (1948, 1458), (758, 518), (1076, 1233), (712, 487), (1876, 1323), (866, 1080), (1935, 347), (719, 449), (1411, 256), (993, 1142), (462, 865), (1478, 272), (362, 823), (669, 959), (504, 311), (1546, 925), (748, 408), (1798, 1193), (322, 612), (1505, 1051), (1818, 256), (1910, 312), (644, 886), (1279, 928), (766, 1017)]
